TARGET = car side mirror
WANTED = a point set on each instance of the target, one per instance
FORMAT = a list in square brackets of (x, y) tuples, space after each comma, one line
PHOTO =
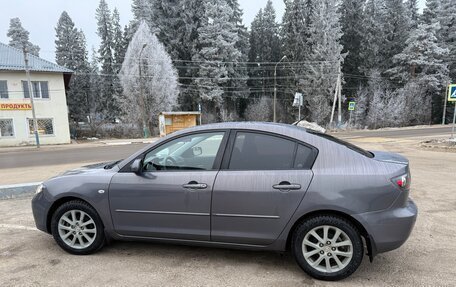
[(197, 150), (136, 166)]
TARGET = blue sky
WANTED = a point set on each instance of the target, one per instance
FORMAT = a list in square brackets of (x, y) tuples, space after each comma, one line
[(39, 17)]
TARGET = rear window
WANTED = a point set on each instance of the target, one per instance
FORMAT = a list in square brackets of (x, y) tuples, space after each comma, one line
[(344, 143)]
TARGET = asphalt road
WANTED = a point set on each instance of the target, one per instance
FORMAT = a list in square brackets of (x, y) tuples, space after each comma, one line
[(398, 133), (65, 154), (89, 154)]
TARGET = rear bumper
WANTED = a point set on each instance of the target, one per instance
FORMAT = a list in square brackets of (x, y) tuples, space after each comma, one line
[(389, 229)]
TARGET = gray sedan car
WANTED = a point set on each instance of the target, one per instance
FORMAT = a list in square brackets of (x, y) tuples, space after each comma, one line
[(257, 186)]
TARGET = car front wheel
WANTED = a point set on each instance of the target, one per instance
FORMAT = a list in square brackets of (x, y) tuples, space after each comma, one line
[(77, 228), (327, 247)]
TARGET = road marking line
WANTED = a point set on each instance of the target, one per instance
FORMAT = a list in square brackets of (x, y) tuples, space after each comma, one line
[(14, 226)]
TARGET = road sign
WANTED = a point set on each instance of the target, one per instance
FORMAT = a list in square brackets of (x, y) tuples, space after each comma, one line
[(452, 93), (298, 100), (351, 106)]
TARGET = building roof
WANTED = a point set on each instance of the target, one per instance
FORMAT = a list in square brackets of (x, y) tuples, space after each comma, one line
[(12, 59), (179, 113)]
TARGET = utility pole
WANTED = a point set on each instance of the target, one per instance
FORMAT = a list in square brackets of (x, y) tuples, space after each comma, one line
[(337, 94), (31, 94), (444, 107), (141, 92), (339, 112), (275, 88), (454, 122)]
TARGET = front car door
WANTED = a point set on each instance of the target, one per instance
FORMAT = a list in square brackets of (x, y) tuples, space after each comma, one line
[(259, 187), (171, 198)]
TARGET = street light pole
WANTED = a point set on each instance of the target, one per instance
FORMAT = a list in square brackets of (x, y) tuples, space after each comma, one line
[(145, 129), (29, 83), (275, 87)]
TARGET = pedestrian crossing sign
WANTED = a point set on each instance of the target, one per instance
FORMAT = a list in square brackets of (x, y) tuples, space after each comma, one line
[(351, 106), (452, 93)]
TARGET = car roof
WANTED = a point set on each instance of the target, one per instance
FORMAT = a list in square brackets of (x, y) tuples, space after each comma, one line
[(262, 126)]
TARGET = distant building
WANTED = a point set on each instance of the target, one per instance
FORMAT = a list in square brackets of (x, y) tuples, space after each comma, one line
[(49, 82)]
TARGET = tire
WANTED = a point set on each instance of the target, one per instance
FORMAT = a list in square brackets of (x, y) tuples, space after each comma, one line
[(344, 253), (77, 228)]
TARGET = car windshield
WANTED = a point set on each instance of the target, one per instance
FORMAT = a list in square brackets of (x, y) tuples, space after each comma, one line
[(344, 143)]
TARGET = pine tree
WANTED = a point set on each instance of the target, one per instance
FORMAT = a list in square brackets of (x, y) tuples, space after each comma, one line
[(20, 37), (264, 47), (326, 56), (239, 73), (71, 52), (373, 37), (447, 36), (412, 13), (108, 106), (395, 29), (157, 88), (216, 54), (351, 17), (421, 62), (119, 48)]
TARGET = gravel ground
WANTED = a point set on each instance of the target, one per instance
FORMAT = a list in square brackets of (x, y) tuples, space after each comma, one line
[(31, 258)]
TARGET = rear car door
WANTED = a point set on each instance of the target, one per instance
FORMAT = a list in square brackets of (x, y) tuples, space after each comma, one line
[(260, 185), (171, 198)]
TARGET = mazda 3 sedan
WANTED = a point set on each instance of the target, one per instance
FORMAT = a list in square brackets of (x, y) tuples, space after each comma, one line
[(257, 186)]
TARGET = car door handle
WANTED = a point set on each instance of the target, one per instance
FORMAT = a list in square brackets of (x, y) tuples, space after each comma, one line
[(194, 185), (285, 185)]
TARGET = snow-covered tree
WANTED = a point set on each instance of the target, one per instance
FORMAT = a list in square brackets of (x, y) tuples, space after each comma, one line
[(422, 58), (264, 47), (156, 90), (216, 54), (422, 62), (373, 36), (19, 37), (395, 30), (119, 47), (71, 52), (412, 13), (326, 59), (108, 106), (447, 35), (352, 14)]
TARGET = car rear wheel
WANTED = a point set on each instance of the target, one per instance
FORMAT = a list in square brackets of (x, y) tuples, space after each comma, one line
[(327, 247), (77, 228)]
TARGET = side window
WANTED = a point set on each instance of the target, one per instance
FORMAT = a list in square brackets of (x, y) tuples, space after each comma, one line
[(304, 157), (254, 151), (193, 152), (3, 90)]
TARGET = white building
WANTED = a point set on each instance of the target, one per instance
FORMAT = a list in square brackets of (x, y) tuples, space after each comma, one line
[(49, 83)]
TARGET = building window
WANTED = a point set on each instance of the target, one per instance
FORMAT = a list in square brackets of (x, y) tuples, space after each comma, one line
[(3, 90), (6, 128), (45, 126), (40, 90)]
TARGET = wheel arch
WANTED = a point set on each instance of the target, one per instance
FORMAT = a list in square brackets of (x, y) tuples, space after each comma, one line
[(56, 205), (363, 232)]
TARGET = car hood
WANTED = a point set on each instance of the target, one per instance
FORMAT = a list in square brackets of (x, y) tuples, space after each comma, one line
[(92, 168), (390, 157)]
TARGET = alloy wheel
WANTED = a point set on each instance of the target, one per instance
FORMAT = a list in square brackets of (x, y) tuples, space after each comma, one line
[(327, 249), (77, 229)]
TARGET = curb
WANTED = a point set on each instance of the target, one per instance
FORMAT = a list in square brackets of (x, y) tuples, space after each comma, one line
[(18, 190)]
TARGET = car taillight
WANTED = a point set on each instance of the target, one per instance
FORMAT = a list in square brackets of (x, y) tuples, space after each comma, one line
[(402, 181)]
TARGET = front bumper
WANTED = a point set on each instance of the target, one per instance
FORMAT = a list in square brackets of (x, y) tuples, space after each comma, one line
[(389, 229), (40, 208)]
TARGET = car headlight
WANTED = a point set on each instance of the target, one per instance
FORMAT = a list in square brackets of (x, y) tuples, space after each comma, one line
[(39, 189)]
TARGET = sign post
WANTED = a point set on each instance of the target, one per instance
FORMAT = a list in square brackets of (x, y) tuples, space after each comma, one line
[(351, 108), (452, 98)]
